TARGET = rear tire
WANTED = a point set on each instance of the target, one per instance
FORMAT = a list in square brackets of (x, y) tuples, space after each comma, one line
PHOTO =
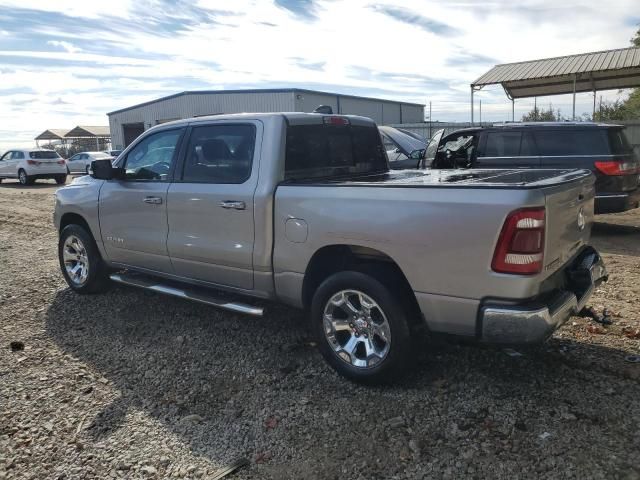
[(361, 327), (61, 179), (80, 261), (24, 179), (86, 169)]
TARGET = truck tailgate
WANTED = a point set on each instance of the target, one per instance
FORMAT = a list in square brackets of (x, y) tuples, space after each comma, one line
[(569, 217)]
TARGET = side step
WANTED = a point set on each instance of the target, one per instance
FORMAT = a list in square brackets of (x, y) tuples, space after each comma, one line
[(185, 292)]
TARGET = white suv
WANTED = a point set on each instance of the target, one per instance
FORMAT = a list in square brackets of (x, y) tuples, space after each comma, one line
[(29, 165)]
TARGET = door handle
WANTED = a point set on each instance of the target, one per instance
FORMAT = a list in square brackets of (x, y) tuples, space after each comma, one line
[(152, 200), (233, 204)]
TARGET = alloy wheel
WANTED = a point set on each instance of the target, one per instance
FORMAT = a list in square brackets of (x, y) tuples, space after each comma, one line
[(356, 328), (76, 261)]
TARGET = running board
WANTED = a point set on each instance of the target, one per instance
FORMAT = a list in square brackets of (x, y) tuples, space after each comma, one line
[(186, 293)]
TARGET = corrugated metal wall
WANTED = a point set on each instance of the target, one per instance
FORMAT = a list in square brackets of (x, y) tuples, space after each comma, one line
[(190, 105), (185, 106)]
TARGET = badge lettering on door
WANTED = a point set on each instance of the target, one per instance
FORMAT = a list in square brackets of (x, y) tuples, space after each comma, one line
[(115, 239)]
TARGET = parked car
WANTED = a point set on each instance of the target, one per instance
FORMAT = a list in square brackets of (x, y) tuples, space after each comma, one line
[(601, 148), (81, 162), (31, 164), (303, 209), (409, 148)]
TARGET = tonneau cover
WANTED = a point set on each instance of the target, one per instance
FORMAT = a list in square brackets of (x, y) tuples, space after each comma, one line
[(476, 178)]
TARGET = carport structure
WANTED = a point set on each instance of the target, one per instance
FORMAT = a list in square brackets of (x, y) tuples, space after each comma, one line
[(585, 72), (52, 134), (90, 137)]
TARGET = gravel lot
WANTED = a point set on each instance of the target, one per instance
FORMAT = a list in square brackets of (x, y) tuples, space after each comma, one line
[(131, 384)]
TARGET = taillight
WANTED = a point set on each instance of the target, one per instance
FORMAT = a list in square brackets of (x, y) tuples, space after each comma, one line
[(617, 167), (32, 162), (520, 247), (60, 162), (336, 120)]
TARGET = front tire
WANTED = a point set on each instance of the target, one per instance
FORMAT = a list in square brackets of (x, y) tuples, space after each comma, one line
[(87, 169), (361, 327), (80, 261), (61, 179)]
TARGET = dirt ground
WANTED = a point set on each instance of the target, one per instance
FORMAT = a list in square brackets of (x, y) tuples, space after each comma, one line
[(130, 384)]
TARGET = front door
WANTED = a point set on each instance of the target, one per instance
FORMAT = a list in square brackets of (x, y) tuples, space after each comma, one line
[(210, 205), (133, 210), (4, 163)]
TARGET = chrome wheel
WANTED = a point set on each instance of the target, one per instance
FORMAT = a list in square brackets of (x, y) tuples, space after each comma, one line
[(356, 328), (76, 261), (22, 176)]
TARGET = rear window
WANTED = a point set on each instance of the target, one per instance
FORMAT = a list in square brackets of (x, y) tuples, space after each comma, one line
[(618, 142), (563, 142), (44, 154), (315, 151)]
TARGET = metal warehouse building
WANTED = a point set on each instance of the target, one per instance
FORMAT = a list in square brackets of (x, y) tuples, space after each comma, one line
[(126, 124)]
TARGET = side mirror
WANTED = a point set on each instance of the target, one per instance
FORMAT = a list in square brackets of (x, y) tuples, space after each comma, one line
[(103, 170)]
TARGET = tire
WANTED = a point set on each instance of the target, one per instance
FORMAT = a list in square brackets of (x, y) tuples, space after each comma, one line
[(361, 333), (61, 179), (92, 275), (86, 169), (24, 179)]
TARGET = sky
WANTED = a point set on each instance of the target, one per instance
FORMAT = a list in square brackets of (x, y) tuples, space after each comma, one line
[(68, 62)]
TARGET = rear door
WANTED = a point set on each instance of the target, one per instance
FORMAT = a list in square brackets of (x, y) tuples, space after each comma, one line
[(133, 210), (211, 207), (507, 148), (568, 147)]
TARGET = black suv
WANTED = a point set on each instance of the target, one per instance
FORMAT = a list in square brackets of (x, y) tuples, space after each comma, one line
[(601, 148)]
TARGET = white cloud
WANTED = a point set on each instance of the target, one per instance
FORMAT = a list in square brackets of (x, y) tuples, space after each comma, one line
[(116, 55), (69, 47)]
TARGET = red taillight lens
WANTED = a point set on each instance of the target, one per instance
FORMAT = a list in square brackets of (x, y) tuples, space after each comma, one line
[(617, 167), (60, 162), (32, 162), (336, 121), (520, 248)]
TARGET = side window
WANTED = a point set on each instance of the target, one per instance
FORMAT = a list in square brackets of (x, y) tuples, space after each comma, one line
[(566, 142), (6, 156), (220, 154), (151, 160), (503, 144), (18, 156)]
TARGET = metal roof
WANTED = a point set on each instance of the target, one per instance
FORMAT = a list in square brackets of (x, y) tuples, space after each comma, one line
[(88, 131), (605, 70), (52, 134), (263, 90)]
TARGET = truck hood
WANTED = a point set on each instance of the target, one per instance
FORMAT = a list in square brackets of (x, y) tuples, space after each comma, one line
[(405, 143)]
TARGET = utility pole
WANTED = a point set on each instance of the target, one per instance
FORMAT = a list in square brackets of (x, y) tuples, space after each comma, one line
[(535, 109)]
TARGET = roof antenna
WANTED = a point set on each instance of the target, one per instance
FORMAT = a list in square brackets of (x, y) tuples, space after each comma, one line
[(326, 109)]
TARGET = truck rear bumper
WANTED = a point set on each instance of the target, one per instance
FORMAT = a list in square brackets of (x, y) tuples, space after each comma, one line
[(535, 321)]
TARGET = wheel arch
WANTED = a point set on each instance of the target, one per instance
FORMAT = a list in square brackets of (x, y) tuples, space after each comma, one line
[(332, 259)]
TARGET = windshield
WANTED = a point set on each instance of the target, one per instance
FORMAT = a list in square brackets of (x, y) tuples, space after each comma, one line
[(44, 154)]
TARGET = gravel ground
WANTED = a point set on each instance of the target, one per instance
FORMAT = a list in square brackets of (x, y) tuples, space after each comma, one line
[(131, 384)]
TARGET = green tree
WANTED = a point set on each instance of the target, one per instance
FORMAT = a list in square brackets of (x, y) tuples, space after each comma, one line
[(541, 115), (627, 109)]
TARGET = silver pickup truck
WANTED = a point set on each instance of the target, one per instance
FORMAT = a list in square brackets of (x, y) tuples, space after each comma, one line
[(303, 209)]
